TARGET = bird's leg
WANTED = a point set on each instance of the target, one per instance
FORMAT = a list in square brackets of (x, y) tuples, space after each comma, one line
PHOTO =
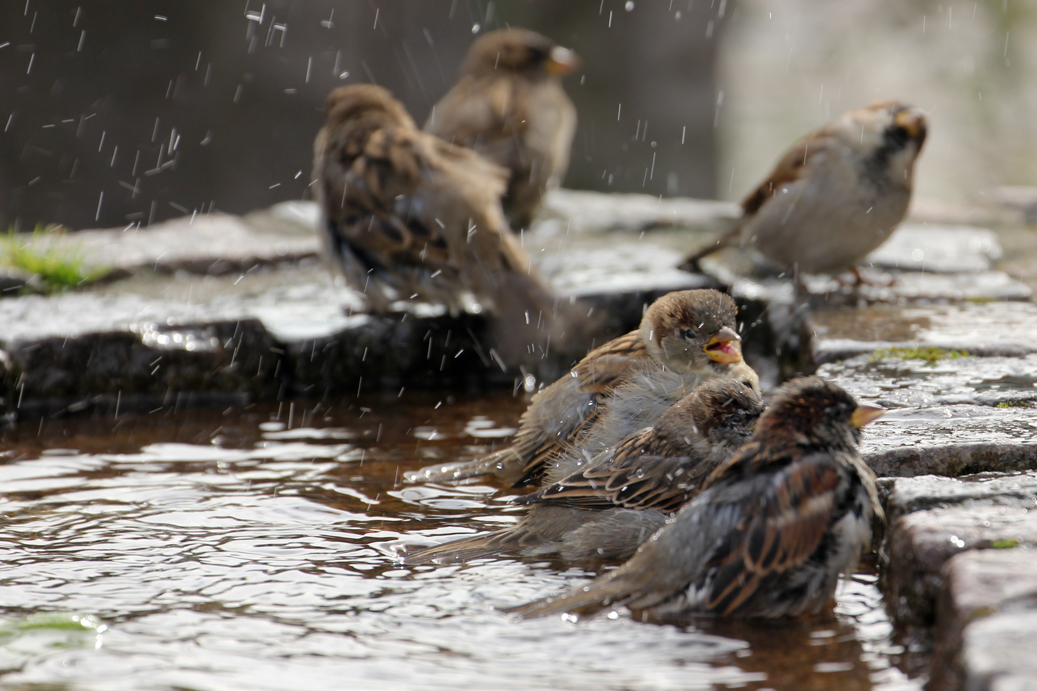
[(859, 280)]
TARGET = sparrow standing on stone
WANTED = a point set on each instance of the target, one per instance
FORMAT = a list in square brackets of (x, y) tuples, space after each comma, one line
[(690, 334), (835, 196), (621, 497), (773, 529), (407, 215), (509, 105)]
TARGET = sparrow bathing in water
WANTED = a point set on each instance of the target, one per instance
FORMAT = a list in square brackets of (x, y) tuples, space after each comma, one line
[(622, 496), (407, 215), (774, 527), (835, 195), (689, 334), (509, 105)]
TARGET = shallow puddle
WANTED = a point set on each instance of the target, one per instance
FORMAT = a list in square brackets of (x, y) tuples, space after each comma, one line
[(252, 550)]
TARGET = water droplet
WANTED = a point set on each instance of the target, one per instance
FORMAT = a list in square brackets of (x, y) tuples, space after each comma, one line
[(629, 7), (343, 75), (476, 28)]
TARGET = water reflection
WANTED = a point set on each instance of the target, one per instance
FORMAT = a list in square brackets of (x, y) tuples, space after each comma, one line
[(244, 550)]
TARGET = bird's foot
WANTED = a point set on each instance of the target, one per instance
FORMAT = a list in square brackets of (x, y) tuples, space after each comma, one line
[(857, 279)]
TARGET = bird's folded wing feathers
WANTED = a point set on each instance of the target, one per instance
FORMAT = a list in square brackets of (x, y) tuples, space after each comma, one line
[(782, 529), (630, 480)]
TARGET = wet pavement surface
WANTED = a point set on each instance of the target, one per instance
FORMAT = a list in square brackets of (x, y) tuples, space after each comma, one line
[(253, 549)]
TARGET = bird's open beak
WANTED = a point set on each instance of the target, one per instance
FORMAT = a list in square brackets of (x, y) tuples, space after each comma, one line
[(725, 347), (866, 413), (912, 121), (562, 61)]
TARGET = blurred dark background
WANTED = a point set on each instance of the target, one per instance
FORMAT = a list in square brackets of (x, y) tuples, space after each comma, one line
[(122, 111)]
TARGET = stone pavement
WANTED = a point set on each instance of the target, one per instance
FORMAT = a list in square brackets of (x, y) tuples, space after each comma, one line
[(214, 308), (220, 309)]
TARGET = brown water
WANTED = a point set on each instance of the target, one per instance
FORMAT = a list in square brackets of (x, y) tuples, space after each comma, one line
[(252, 550)]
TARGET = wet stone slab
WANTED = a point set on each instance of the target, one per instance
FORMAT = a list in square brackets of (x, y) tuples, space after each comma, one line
[(980, 328), (951, 441), (986, 595), (77, 350), (635, 212), (218, 244), (937, 248), (950, 417), (903, 379), (998, 653), (212, 244), (104, 348), (225, 306), (932, 519)]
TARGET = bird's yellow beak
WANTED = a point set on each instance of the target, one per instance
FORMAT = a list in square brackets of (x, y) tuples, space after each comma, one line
[(561, 62), (725, 347), (866, 413), (912, 121)]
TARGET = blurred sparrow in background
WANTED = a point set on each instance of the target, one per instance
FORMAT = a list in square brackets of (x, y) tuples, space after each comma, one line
[(835, 196), (509, 106), (407, 215)]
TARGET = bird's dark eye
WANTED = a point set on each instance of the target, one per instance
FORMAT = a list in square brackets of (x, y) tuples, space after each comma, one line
[(688, 334), (537, 55), (735, 419)]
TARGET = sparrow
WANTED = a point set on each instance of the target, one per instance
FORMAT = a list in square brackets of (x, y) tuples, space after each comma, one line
[(835, 195), (690, 334), (772, 530), (407, 215), (622, 496), (509, 105)]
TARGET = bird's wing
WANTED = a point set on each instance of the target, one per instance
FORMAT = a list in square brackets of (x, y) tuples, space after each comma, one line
[(363, 181), (625, 477), (792, 166), (780, 530), (609, 365), (597, 374)]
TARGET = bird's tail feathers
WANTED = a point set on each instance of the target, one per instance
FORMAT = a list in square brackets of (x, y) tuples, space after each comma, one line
[(464, 549), (728, 238), (531, 322), (610, 589)]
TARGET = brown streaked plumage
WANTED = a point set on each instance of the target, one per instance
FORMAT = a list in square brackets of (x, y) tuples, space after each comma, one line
[(835, 195), (689, 334), (407, 215), (771, 532), (509, 105), (662, 467), (625, 494)]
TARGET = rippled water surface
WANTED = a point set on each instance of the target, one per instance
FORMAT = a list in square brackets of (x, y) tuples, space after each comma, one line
[(253, 550)]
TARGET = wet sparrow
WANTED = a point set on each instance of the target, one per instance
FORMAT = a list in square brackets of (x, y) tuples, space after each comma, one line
[(835, 196), (622, 496), (772, 530), (690, 335)]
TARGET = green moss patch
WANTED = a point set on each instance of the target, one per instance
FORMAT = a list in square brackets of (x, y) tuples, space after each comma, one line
[(930, 354), (58, 266)]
